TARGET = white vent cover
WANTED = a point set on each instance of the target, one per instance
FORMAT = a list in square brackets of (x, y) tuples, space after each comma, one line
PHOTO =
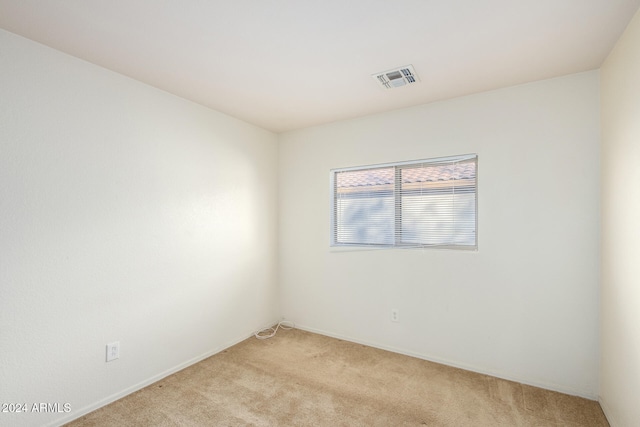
[(397, 77)]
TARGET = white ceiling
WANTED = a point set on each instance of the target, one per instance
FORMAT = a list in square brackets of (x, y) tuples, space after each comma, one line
[(288, 64)]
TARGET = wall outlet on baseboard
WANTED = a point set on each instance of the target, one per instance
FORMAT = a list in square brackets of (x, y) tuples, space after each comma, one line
[(395, 315), (113, 351)]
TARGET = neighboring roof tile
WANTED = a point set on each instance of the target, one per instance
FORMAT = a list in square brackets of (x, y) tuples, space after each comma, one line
[(383, 176)]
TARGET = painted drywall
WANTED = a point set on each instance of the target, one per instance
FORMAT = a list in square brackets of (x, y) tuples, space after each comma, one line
[(620, 316), (525, 305), (126, 214)]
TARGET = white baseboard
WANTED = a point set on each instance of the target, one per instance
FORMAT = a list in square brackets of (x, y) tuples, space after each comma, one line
[(456, 364), (607, 412), (119, 395)]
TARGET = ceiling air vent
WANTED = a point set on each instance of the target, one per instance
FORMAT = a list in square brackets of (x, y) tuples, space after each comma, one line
[(397, 77)]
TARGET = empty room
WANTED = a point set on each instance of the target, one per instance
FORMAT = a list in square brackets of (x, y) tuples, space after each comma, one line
[(296, 213)]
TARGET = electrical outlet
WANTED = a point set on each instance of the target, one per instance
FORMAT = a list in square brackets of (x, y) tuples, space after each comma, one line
[(113, 351), (395, 315)]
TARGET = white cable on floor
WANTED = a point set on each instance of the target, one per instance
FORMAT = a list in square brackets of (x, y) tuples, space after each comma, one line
[(265, 333)]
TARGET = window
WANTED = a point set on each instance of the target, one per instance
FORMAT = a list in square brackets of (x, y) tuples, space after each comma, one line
[(426, 203)]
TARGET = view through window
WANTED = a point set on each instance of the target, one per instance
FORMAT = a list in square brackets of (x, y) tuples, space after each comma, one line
[(426, 203)]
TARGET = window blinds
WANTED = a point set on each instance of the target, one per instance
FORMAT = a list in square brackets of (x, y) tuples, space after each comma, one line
[(427, 203)]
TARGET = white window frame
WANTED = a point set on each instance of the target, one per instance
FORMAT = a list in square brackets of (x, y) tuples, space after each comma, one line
[(434, 161)]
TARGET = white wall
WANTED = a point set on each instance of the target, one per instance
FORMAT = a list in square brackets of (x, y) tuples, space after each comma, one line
[(125, 214), (620, 324), (525, 305)]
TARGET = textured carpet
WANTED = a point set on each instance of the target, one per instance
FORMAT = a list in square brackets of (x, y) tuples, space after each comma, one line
[(302, 379)]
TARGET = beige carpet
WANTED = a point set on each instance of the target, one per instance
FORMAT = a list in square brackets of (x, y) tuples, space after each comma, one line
[(302, 379)]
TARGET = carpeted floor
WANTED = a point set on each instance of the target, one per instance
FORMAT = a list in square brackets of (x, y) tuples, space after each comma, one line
[(302, 379)]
